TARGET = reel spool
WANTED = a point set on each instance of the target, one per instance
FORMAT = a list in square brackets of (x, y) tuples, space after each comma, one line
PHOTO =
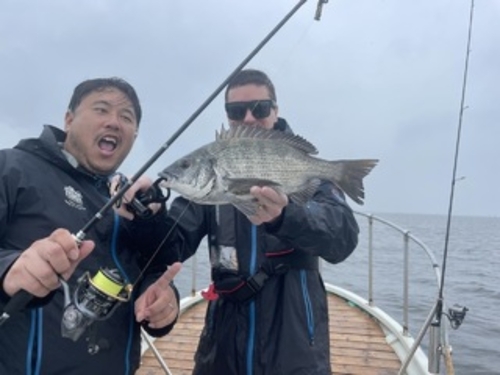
[(93, 299)]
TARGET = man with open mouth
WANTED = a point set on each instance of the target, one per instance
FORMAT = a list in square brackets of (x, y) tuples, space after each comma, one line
[(49, 188)]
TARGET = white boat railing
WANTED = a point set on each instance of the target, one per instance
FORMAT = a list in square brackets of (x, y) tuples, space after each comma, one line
[(407, 238)]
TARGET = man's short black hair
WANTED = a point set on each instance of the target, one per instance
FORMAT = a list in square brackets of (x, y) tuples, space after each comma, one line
[(252, 77), (99, 84)]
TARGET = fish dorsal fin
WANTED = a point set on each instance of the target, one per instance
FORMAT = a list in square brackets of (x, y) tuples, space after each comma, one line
[(240, 131)]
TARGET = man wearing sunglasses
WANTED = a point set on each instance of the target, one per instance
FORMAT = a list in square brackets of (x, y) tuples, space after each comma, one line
[(268, 312)]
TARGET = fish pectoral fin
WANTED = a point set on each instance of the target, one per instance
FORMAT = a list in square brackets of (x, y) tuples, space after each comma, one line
[(305, 192), (241, 186), (248, 208)]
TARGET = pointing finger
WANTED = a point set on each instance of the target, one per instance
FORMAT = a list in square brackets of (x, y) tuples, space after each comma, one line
[(168, 275)]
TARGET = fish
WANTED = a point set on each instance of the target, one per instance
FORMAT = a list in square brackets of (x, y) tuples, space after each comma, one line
[(242, 156)]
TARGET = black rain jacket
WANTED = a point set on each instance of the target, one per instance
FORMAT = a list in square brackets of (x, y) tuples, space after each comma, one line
[(283, 329), (40, 192)]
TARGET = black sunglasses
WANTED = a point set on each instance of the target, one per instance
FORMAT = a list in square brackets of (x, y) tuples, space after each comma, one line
[(260, 109)]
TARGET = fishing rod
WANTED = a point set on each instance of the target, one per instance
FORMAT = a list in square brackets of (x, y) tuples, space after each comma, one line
[(106, 284), (457, 314), (435, 348), (319, 9)]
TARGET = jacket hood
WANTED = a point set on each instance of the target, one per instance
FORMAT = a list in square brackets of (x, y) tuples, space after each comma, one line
[(47, 146)]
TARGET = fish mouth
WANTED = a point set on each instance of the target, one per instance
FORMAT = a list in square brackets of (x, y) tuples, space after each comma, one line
[(166, 179)]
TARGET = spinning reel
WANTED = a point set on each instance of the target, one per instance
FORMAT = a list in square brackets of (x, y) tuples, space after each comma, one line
[(456, 315), (93, 299), (96, 298)]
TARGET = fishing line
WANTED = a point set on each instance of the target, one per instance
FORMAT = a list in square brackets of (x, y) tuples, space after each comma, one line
[(22, 298), (158, 248), (282, 67)]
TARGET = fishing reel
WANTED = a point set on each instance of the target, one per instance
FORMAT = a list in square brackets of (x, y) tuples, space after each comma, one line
[(456, 315), (139, 205), (93, 299)]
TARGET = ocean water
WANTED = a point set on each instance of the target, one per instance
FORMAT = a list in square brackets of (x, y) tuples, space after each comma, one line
[(471, 280)]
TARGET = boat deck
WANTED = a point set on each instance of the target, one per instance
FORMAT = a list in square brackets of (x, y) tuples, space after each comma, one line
[(357, 341)]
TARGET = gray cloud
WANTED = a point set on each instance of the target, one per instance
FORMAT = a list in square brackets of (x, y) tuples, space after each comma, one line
[(373, 78)]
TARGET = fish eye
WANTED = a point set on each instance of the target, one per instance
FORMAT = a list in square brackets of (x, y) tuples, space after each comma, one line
[(185, 164)]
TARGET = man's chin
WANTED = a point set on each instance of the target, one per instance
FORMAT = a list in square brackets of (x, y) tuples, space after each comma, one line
[(102, 170)]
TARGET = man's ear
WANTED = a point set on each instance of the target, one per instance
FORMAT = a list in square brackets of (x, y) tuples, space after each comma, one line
[(68, 119)]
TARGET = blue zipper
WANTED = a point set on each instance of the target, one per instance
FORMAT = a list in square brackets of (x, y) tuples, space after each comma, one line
[(251, 307), (308, 306), (35, 334), (31, 340), (114, 239), (39, 341)]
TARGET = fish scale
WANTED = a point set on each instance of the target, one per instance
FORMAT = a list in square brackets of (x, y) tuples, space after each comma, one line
[(268, 162)]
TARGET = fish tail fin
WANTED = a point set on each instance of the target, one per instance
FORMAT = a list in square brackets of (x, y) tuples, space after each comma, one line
[(352, 173)]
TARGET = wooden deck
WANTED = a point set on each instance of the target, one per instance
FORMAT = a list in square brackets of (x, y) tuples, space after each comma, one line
[(358, 343)]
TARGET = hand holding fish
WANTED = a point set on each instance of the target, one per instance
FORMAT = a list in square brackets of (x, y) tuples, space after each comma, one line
[(270, 203)]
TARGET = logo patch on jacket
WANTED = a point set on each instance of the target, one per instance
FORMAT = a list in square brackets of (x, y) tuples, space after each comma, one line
[(73, 198)]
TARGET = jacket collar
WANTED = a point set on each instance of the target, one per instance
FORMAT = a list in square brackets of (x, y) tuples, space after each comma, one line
[(49, 146)]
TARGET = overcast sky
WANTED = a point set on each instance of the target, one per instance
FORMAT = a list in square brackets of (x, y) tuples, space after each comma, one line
[(372, 79)]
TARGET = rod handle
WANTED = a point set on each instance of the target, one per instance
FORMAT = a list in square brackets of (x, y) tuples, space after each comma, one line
[(18, 302)]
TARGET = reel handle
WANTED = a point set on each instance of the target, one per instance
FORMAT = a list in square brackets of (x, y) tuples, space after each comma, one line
[(139, 205)]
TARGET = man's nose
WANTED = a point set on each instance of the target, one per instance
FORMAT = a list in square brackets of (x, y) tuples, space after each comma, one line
[(249, 116), (113, 120)]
